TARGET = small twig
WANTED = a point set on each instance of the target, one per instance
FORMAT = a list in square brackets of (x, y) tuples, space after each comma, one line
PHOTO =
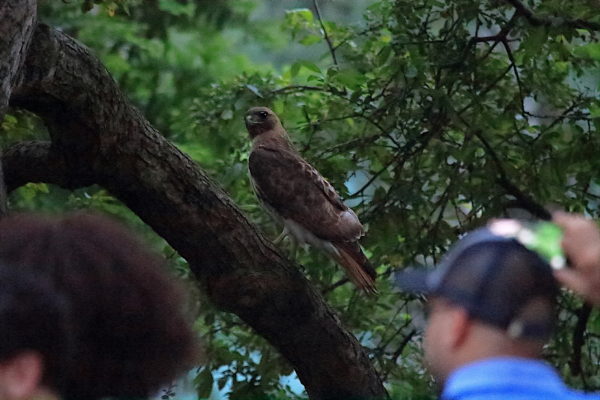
[(342, 147), (559, 119), (503, 34), (484, 91), (404, 343), (341, 93), (370, 29), (297, 88), (403, 155), (516, 70), (525, 12), (579, 116), (335, 285), (399, 351), (313, 130), (385, 343), (325, 34), (583, 315), (537, 21), (524, 200)]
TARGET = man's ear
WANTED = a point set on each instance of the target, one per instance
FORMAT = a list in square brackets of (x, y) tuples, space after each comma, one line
[(21, 375), (459, 327)]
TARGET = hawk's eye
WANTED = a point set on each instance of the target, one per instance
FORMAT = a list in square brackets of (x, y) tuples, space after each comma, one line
[(263, 114)]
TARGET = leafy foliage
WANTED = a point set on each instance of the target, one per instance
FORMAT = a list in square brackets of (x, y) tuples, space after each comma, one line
[(431, 118)]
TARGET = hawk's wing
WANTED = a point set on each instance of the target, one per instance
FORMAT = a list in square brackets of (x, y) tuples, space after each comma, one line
[(296, 191)]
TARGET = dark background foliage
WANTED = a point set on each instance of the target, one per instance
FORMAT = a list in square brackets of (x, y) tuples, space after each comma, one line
[(428, 116)]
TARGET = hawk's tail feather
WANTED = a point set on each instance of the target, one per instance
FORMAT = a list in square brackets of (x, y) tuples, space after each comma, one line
[(357, 266)]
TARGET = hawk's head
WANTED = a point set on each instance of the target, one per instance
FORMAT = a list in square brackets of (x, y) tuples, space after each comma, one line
[(259, 120)]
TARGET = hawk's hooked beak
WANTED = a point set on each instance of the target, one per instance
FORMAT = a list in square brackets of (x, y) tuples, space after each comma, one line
[(252, 119)]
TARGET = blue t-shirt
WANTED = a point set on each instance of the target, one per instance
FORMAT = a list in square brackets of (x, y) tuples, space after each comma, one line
[(509, 378)]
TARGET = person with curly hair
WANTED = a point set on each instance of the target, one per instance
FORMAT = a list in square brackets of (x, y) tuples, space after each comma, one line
[(130, 333), (35, 345)]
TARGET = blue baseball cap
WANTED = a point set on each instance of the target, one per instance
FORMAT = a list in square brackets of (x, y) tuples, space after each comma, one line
[(496, 279)]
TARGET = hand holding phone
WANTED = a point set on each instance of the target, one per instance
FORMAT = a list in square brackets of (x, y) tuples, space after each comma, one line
[(542, 237), (581, 243)]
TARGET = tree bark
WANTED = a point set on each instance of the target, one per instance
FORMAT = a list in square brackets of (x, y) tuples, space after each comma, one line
[(18, 22), (97, 136)]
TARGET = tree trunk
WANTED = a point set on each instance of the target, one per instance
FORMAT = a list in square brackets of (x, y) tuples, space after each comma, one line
[(18, 19), (18, 22), (97, 136)]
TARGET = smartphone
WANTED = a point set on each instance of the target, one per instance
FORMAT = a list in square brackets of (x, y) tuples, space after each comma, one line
[(542, 237)]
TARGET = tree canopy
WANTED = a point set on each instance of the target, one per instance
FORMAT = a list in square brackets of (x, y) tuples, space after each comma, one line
[(429, 117)]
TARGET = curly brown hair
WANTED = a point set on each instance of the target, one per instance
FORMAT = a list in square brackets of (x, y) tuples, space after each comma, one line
[(130, 331), (34, 317)]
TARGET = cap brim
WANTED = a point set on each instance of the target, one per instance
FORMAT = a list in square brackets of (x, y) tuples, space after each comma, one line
[(426, 281), (413, 281)]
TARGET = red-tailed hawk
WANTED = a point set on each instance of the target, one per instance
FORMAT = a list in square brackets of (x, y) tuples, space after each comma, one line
[(298, 196)]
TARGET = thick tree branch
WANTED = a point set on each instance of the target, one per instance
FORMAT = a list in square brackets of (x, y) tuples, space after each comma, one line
[(18, 18), (18, 22), (38, 161), (97, 136), (525, 12), (3, 193)]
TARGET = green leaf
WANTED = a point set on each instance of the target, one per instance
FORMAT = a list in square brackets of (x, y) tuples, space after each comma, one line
[(177, 8), (533, 42), (295, 68), (310, 40), (311, 66), (204, 383), (590, 51), (384, 55), (595, 110), (350, 77), (300, 14)]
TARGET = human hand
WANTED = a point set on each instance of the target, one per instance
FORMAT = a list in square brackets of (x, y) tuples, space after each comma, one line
[(581, 244)]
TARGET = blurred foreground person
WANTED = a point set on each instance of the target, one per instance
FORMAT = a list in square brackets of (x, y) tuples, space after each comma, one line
[(129, 331), (35, 344), (492, 307)]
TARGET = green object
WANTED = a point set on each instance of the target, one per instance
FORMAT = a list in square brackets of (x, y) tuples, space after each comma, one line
[(542, 237), (546, 242)]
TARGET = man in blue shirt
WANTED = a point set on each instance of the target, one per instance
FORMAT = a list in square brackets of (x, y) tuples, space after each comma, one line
[(492, 307)]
